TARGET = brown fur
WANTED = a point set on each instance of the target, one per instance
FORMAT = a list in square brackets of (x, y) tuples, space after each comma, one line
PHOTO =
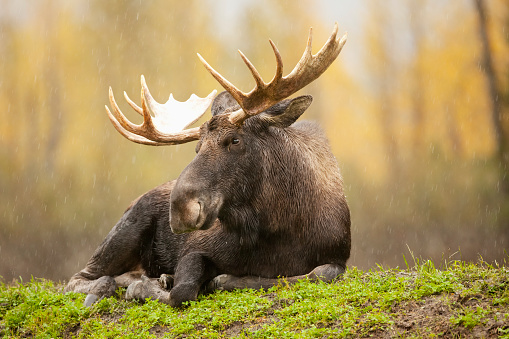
[(261, 201)]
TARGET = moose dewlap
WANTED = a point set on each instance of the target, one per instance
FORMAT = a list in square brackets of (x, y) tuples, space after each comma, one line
[(262, 199)]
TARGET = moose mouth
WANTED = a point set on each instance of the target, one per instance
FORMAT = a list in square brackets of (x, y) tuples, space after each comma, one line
[(194, 214)]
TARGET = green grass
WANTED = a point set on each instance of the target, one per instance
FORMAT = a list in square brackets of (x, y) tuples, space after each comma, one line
[(459, 300)]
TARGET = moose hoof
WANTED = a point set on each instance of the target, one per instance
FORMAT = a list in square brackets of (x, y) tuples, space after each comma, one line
[(166, 281), (103, 287), (90, 299), (134, 291), (328, 272), (219, 283), (146, 288)]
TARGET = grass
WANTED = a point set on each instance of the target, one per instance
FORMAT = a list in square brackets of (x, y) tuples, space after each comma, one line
[(459, 300)]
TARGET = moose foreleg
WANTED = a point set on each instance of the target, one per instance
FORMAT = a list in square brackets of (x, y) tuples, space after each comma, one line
[(192, 271), (226, 282)]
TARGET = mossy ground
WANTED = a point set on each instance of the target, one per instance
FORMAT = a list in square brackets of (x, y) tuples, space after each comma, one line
[(456, 300)]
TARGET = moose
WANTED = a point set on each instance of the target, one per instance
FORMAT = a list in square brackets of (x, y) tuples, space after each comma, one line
[(263, 198)]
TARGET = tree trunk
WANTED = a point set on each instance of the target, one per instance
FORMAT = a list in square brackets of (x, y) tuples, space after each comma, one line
[(496, 96)]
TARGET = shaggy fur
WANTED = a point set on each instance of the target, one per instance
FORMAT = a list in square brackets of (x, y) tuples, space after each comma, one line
[(259, 201)]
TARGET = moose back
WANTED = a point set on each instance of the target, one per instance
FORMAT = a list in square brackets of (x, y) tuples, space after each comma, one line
[(262, 199)]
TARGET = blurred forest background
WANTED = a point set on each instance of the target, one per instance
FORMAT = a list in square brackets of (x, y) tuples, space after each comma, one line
[(416, 108)]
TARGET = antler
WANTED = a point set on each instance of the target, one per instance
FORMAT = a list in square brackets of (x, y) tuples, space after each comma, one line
[(265, 95), (167, 126)]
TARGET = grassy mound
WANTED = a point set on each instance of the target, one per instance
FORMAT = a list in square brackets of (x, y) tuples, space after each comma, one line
[(458, 300)]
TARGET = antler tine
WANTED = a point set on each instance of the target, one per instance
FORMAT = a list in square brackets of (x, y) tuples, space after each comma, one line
[(335, 42), (130, 136), (265, 95), (312, 66), (309, 46), (234, 91), (120, 117), (167, 127), (279, 62), (258, 79), (133, 104), (146, 96)]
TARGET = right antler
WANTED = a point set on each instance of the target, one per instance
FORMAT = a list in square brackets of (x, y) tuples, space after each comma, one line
[(265, 95), (167, 126)]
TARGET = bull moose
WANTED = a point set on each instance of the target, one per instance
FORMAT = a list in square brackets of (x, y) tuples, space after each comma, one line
[(262, 199)]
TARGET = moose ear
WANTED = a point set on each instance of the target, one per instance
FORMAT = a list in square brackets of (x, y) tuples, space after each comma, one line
[(286, 112), (222, 102)]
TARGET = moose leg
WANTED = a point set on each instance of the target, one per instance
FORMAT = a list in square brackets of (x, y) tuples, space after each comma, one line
[(226, 282), (192, 271), (119, 260)]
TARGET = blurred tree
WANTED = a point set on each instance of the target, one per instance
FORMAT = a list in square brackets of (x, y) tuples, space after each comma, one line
[(68, 174), (417, 92), (427, 102), (499, 106), (384, 68), (407, 121), (52, 78)]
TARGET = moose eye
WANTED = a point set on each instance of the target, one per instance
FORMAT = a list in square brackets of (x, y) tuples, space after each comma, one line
[(235, 141)]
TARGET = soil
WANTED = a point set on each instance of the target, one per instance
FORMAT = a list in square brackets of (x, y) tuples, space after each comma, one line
[(429, 317)]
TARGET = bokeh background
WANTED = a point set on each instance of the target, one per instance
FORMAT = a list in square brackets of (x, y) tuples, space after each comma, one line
[(416, 108)]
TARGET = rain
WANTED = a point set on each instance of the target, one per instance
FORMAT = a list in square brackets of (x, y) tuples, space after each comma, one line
[(408, 108)]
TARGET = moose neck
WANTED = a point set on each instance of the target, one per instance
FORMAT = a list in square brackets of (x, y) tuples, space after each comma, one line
[(289, 189)]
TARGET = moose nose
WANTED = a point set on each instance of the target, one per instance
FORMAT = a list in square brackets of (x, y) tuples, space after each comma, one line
[(186, 216)]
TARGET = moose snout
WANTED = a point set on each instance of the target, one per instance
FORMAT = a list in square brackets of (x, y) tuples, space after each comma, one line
[(189, 214), (186, 216)]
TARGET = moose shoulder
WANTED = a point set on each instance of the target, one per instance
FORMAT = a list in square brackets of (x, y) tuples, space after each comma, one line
[(263, 198)]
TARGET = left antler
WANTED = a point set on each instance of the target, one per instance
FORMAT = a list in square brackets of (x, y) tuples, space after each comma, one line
[(265, 95), (167, 126)]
